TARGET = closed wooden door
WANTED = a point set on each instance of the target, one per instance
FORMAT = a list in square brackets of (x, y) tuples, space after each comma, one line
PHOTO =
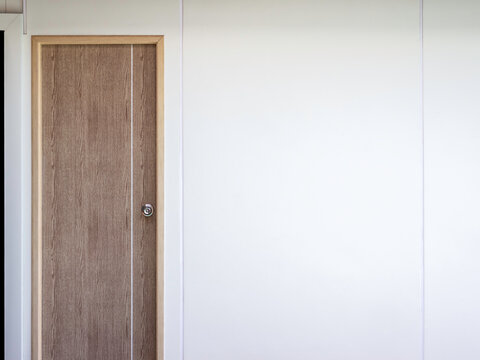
[(98, 244)]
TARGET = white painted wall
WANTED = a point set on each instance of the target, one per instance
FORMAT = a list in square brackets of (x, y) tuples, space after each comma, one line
[(302, 180), (12, 25), (452, 174)]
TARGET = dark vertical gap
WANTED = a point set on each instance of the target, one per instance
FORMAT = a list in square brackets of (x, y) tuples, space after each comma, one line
[(2, 97)]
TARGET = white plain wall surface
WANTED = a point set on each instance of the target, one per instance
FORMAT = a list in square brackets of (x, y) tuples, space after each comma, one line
[(302, 180), (452, 175), (12, 24)]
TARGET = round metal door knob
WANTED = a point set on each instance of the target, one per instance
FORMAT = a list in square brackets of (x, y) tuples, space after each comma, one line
[(147, 210)]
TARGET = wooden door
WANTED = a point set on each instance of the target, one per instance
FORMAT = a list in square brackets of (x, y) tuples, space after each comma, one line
[(98, 257)]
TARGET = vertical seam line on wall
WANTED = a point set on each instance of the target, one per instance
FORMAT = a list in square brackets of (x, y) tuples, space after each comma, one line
[(182, 190), (131, 202), (422, 119), (24, 14)]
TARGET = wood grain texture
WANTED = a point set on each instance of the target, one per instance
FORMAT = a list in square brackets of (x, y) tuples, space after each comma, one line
[(160, 195), (98, 39), (86, 202), (144, 185), (36, 337), (85, 342)]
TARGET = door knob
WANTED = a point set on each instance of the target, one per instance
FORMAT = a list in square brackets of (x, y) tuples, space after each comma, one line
[(147, 210)]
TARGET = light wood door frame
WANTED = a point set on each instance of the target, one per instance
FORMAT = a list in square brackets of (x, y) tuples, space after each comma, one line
[(37, 43)]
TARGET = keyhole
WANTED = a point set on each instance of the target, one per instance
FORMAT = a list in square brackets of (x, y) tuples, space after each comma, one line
[(147, 210)]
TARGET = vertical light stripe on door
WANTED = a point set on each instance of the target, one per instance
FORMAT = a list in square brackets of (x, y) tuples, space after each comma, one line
[(131, 202)]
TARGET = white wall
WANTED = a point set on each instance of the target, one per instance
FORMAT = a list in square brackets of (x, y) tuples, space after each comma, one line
[(452, 174), (302, 180), (12, 24)]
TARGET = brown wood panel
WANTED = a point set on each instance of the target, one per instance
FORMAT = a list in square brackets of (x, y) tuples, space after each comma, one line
[(69, 278), (144, 180), (156, 40), (86, 202)]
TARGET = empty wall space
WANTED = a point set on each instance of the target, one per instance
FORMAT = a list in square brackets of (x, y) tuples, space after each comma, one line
[(302, 180), (13, 136), (452, 178)]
